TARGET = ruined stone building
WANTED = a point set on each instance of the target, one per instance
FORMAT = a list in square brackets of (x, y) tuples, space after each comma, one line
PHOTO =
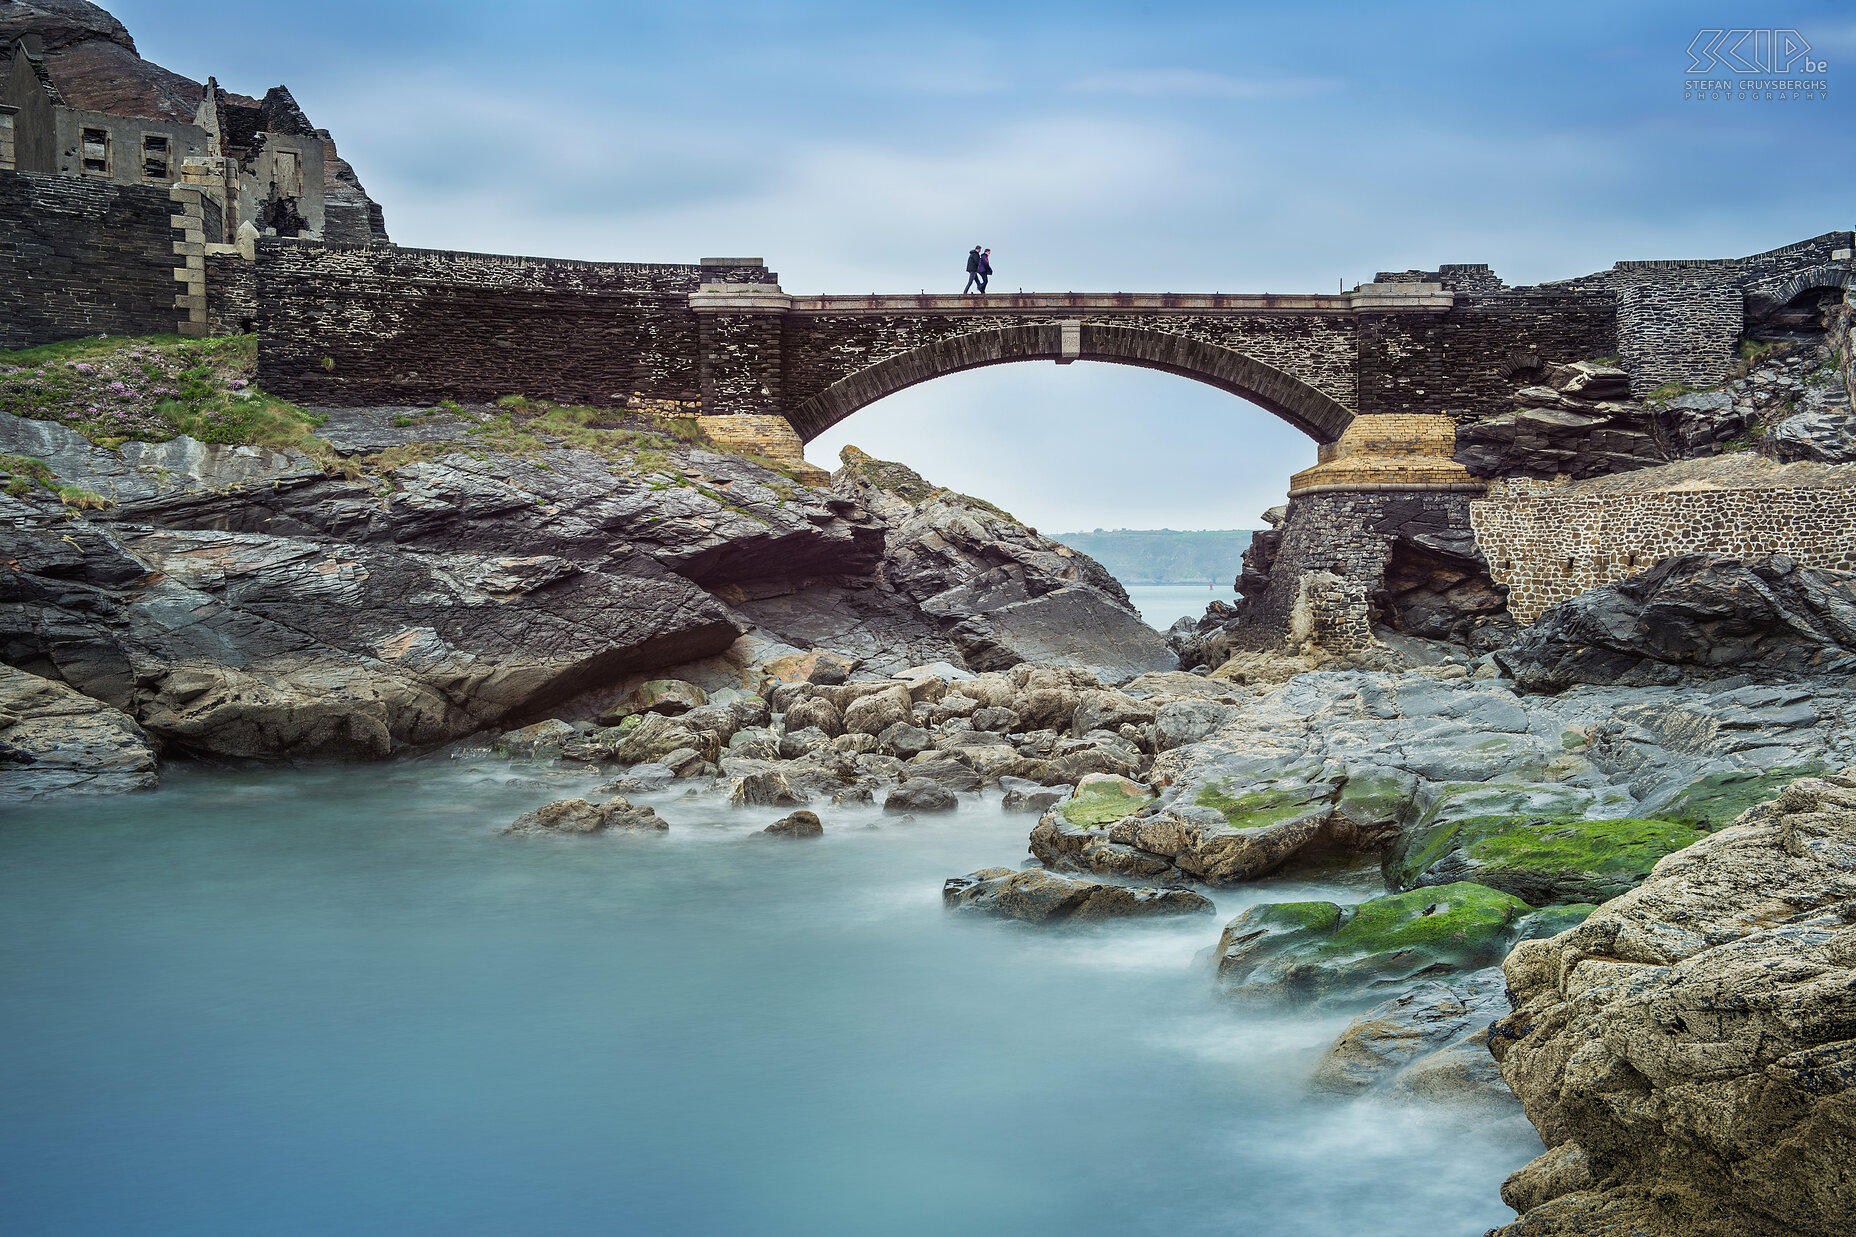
[(76, 100)]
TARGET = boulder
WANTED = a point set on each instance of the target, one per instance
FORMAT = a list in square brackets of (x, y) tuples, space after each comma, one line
[(671, 697), (1027, 795), (904, 740), (771, 788), (1307, 951), (1827, 436), (1698, 614), (921, 795), (55, 741), (1036, 896), (800, 824), (577, 816), (1686, 1052), (641, 779), (875, 713), (540, 741), (817, 713)]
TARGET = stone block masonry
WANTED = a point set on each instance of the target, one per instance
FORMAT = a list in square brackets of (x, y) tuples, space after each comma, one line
[(1550, 541), (86, 257), (1684, 331)]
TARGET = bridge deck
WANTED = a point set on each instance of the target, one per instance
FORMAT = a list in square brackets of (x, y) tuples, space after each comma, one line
[(1416, 297)]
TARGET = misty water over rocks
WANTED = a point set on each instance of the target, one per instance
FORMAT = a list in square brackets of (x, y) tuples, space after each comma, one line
[(299, 1002)]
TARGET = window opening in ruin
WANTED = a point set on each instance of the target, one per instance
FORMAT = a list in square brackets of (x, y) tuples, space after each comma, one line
[(155, 157), (96, 152), (289, 174)]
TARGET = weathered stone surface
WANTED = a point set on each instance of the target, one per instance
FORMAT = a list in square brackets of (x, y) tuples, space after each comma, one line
[(1025, 795), (919, 794), (55, 741), (771, 788), (1429, 1044), (800, 824), (1692, 1038), (1827, 436), (1036, 896), (1696, 614), (577, 816)]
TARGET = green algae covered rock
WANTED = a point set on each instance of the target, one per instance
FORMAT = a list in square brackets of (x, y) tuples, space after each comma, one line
[(1304, 951), (1103, 799), (1717, 800), (1540, 859)]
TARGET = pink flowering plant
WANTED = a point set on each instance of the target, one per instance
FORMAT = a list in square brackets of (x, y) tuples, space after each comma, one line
[(152, 389)]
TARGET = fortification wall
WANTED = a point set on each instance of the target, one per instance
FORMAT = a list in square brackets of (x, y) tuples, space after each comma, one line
[(1548, 542), (86, 257)]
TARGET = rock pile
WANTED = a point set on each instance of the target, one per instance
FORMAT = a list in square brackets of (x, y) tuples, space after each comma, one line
[(1686, 1053)]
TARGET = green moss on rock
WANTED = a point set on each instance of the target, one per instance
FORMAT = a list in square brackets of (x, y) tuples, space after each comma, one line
[(1718, 799), (1265, 805), (1542, 859), (1320, 951), (1101, 803)]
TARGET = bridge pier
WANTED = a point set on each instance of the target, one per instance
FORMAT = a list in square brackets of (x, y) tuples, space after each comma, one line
[(1384, 495)]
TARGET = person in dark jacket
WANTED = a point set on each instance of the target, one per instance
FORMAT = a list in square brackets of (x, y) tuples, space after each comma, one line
[(985, 270), (973, 271)]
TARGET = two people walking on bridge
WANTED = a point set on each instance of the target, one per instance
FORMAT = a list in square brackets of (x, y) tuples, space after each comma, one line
[(979, 269)]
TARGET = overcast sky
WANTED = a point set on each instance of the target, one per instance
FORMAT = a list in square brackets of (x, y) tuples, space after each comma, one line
[(1123, 146)]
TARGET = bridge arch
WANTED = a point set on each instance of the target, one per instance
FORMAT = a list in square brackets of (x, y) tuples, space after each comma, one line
[(1838, 276), (1310, 410)]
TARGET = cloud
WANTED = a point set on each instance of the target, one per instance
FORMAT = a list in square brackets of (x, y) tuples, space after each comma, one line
[(1199, 84)]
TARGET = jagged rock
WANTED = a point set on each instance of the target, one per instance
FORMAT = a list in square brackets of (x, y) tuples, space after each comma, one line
[(1002, 594), (919, 794), (1692, 1038), (577, 816), (670, 697), (1827, 436), (800, 824), (1035, 896), (1698, 614), (55, 741), (641, 780), (904, 740), (772, 788), (540, 741)]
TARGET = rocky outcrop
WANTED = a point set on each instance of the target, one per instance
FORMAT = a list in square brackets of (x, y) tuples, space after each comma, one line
[(1002, 593), (240, 601), (55, 741), (1694, 615), (1035, 896), (1686, 1053), (800, 824), (1358, 760)]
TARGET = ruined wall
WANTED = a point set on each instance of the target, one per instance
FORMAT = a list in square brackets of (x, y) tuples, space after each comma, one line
[(354, 325), (1547, 542), (1684, 331), (1458, 361), (81, 256)]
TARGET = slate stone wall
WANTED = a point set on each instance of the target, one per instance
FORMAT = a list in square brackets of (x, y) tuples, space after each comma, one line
[(1459, 361), (231, 294), (1684, 331), (349, 325), (84, 257)]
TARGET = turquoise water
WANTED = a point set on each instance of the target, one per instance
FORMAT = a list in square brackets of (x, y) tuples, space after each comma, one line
[(334, 1001), (1161, 605)]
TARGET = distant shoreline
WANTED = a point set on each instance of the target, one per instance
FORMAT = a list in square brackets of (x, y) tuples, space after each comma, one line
[(1165, 557)]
